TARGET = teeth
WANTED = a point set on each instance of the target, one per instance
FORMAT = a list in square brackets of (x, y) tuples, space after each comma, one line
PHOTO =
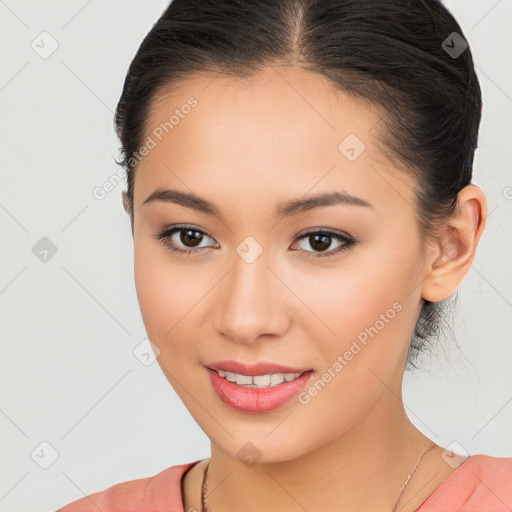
[(258, 381)]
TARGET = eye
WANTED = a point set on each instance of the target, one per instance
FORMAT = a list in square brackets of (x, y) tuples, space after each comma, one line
[(184, 239), (188, 240), (321, 240)]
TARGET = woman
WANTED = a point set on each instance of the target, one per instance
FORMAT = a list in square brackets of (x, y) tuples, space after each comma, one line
[(300, 196)]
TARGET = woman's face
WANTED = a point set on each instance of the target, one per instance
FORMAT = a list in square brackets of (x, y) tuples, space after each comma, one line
[(251, 287)]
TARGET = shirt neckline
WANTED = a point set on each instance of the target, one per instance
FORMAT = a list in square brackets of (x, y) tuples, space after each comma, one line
[(430, 498)]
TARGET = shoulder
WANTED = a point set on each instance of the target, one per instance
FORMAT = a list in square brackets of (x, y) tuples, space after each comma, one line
[(158, 493), (493, 468), (483, 482)]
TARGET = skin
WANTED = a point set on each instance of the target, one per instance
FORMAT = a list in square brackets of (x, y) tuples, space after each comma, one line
[(249, 146)]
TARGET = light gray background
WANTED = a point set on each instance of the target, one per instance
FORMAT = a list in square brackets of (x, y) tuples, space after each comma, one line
[(69, 326)]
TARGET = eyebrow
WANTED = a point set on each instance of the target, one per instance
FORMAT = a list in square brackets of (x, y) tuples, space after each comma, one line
[(284, 210)]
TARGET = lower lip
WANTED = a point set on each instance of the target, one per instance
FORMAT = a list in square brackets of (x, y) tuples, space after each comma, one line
[(253, 399)]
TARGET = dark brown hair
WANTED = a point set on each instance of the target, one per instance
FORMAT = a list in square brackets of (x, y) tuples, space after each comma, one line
[(400, 55)]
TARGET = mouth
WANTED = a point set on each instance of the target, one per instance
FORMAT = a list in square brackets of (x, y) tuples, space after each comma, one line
[(256, 388)]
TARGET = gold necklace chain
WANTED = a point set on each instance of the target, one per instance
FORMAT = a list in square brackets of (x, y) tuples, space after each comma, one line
[(395, 504)]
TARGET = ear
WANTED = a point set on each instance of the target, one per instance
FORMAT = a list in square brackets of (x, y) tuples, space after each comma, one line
[(126, 203), (455, 247), (127, 209)]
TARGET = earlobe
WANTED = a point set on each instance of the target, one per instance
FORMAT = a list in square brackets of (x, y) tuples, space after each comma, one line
[(456, 245)]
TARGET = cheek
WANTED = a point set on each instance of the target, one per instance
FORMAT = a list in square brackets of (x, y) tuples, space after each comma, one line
[(366, 314), (374, 282), (372, 317), (167, 293)]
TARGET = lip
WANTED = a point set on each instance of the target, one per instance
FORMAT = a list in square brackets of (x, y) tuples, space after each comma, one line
[(253, 368), (253, 400)]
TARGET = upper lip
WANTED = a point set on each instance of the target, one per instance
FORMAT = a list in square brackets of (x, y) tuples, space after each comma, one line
[(251, 369)]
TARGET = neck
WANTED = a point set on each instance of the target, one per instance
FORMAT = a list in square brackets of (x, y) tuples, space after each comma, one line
[(362, 469)]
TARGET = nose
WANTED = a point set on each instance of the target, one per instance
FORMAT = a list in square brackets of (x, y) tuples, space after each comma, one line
[(252, 303)]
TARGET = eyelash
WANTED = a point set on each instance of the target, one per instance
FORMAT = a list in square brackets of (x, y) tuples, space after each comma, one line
[(347, 240)]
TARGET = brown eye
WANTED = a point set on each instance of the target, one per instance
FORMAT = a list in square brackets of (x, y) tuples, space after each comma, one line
[(190, 237), (321, 243), (181, 239)]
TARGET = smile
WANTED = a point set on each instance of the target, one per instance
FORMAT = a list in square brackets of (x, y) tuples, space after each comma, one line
[(258, 381)]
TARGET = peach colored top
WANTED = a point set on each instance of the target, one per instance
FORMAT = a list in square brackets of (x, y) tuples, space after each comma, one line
[(481, 484)]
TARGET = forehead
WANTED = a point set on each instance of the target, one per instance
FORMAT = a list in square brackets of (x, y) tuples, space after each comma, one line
[(279, 104), (283, 128)]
